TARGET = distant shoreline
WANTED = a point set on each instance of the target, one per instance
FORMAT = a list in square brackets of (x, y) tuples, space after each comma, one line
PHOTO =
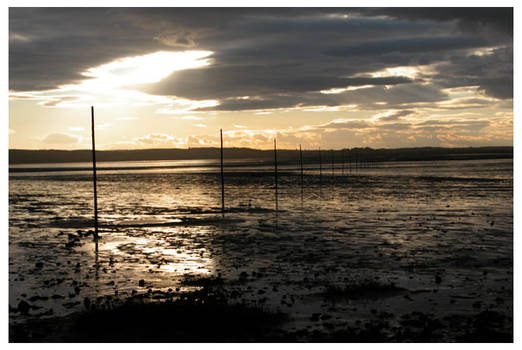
[(20, 156)]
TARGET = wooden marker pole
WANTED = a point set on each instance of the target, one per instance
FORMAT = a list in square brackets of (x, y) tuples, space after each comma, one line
[(275, 173), (222, 177), (302, 177), (301, 161), (94, 176)]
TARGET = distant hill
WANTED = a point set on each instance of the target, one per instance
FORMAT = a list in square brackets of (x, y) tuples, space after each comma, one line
[(20, 156)]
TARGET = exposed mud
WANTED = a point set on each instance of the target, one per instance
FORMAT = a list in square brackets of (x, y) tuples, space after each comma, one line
[(377, 255)]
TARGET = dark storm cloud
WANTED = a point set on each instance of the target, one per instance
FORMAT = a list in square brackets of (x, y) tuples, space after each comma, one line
[(295, 53), (393, 97), (60, 43), (407, 45), (254, 80), (469, 19), (493, 73), (282, 56)]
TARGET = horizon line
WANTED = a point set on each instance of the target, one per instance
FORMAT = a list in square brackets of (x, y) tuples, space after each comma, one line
[(250, 148)]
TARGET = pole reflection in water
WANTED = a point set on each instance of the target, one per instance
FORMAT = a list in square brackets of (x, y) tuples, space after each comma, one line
[(96, 259), (302, 198)]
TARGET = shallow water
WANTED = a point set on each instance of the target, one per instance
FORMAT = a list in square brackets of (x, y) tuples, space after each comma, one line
[(442, 231)]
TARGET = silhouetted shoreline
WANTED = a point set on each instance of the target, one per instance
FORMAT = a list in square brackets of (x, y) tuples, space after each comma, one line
[(20, 156)]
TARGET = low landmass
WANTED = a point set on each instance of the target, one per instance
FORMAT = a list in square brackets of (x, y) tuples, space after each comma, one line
[(21, 156)]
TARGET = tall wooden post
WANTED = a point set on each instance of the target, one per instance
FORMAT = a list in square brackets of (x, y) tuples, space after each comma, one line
[(302, 174), (275, 173), (301, 161), (320, 167), (94, 176), (222, 177)]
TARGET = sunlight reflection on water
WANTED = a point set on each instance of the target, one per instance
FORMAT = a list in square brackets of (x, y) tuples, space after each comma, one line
[(161, 226)]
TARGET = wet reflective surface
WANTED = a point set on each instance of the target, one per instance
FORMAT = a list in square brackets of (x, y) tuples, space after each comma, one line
[(441, 231)]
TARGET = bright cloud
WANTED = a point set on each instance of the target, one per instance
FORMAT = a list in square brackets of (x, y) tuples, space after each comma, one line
[(349, 88), (144, 69), (61, 139), (116, 84), (412, 72)]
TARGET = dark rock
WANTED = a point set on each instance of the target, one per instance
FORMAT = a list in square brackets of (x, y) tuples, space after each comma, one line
[(37, 297), (47, 313), (23, 307), (477, 304)]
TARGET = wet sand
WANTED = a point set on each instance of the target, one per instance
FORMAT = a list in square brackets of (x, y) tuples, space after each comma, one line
[(366, 257)]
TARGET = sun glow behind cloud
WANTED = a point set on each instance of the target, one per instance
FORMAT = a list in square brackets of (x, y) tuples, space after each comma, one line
[(412, 72), (146, 69), (341, 90), (114, 83)]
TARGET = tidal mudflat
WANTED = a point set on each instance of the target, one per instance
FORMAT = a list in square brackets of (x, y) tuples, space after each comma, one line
[(412, 251)]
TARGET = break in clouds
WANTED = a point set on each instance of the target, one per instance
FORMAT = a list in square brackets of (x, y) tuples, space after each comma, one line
[(400, 60)]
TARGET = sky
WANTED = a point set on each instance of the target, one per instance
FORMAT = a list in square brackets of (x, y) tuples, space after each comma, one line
[(320, 77)]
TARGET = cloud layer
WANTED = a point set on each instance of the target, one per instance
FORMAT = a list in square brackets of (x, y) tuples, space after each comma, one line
[(262, 52), (396, 65)]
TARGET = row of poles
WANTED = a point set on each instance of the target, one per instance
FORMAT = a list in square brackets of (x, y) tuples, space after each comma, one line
[(357, 165), (96, 235)]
